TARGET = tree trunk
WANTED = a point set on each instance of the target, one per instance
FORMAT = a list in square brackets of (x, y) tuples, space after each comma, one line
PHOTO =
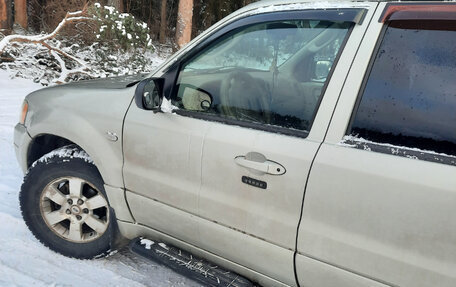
[(118, 4), (184, 22), (6, 17), (163, 22), (20, 13)]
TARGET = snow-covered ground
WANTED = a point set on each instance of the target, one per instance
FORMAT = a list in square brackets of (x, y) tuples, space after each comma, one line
[(23, 260)]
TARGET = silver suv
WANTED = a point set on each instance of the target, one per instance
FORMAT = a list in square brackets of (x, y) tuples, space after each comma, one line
[(293, 143)]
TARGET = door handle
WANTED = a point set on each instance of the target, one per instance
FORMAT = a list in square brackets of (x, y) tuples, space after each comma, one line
[(259, 163)]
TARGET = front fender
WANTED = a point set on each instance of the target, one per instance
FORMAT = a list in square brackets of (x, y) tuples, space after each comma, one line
[(85, 118)]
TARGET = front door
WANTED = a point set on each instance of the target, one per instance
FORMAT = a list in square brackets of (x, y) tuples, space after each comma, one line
[(162, 170), (259, 87)]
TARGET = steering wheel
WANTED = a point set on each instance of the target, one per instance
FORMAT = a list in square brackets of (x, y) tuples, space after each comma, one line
[(245, 97)]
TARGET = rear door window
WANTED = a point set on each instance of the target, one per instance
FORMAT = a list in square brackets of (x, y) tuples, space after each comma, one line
[(409, 98)]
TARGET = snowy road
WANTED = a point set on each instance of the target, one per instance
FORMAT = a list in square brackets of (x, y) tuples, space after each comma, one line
[(23, 260)]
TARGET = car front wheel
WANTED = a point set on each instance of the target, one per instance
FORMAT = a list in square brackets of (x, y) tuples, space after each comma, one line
[(64, 204)]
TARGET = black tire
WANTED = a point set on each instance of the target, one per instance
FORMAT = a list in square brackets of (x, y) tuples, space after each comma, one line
[(73, 163)]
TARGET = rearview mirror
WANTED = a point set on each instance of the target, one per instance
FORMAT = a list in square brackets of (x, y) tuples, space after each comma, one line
[(280, 31), (322, 69), (149, 94)]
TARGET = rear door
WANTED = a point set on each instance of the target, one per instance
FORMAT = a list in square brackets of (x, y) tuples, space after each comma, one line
[(380, 202), (264, 89)]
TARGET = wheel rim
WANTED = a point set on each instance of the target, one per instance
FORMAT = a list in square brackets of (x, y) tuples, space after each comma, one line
[(74, 209)]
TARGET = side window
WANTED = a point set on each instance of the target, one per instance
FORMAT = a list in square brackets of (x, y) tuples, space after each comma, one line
[(269, 73), (410, 96)]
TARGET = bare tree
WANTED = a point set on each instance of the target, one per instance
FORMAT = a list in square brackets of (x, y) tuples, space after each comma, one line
[(118, 4), (6, 17), (184, 22), (20, 13), (163, 22)]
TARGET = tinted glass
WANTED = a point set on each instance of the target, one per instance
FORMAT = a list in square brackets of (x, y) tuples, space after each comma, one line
[(410, 96), (269, 73)]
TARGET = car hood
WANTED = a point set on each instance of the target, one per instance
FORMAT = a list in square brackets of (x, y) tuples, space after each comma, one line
[(120, 82), (99, 93), (93, 101)]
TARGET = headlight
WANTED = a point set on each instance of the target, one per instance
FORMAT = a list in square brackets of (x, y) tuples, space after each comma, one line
[(23, 112)]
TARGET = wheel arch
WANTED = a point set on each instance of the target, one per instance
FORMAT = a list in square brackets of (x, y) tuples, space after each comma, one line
[(45, 143)]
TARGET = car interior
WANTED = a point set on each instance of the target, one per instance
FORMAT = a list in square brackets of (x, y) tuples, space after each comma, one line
[(269, 73)]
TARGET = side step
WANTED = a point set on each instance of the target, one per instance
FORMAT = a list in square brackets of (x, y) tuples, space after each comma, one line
[(187, 265)]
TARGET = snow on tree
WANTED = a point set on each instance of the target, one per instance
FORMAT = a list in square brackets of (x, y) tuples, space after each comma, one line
[(121, 45), (55, 51), (41, 39)]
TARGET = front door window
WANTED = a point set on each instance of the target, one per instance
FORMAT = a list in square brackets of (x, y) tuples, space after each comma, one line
[(269, 73)]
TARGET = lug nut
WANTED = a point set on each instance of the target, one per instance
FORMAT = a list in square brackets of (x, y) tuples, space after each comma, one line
[(80, 201), (70, 201), (68, 211), (85, 210), (78, 217)]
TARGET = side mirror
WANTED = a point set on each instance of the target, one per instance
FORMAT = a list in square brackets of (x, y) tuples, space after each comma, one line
[(322, 69), (149, 94)]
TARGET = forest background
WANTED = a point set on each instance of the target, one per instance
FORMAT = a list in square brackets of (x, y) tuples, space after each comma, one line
[(55, 41), (161, 16)]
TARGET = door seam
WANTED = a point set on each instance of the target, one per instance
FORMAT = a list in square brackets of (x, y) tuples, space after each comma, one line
[(320, 145), (122, 148), (201, 179)]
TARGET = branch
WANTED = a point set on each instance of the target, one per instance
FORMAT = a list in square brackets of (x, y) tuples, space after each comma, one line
[(55, 51), (62, 53), (64, 70), (6, 59), (69, 18)]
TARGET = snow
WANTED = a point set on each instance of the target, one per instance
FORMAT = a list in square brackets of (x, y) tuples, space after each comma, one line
[(353, 141), (147, 243), (163, 245), (167, 106), (65, 152), (111, 9), (75, 13), (41, 37), (309, 5), (24, 261)]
